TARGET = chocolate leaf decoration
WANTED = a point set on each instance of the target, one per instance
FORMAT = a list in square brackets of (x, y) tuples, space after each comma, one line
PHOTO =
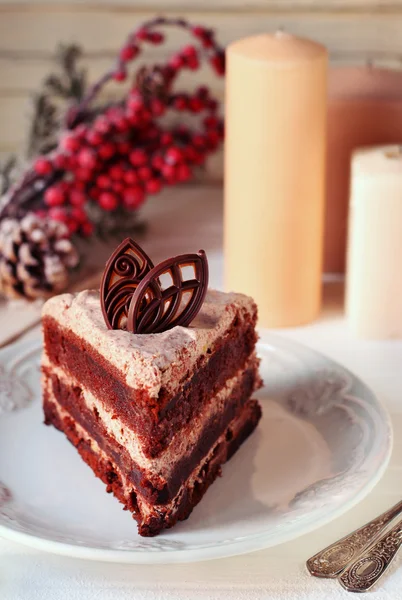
[(153, 309), (124, 270)]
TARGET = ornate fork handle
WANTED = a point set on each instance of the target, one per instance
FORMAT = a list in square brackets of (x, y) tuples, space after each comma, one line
[(335, 558), (364, 572)]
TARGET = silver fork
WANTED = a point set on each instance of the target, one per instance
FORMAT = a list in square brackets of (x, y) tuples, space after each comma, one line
[(334, 559), (363, 573)]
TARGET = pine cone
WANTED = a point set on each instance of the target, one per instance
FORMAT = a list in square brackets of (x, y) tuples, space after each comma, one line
[(35, 257)]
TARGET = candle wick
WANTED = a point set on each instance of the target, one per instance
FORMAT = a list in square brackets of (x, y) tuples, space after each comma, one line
[(370, 63)]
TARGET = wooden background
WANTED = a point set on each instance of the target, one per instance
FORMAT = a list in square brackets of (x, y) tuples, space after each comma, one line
[(354, 31)]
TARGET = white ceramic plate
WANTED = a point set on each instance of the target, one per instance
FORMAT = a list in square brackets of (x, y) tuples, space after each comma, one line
[(323, 443)]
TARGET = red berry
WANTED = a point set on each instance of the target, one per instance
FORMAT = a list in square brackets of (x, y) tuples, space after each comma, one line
[(145, 173), (180, 102), (157, 107), (121, 123), (87, 158), (196, 105), (150, 133), (72, 225), (205, 35), (107, 201), (103, 181), (157, 161), (120, 75), (218, 63), (65, 186), (203, 92), (78, 214), (83, 173), (118, 186), (213, 138), (138, 157), (94, 193), (198, 31), (133, 197), (106, 150), (102, 124), (176, 62), (130, 177), (166, 138), (87, 229), (61, 161), (168, 171), (43, 166), (71, 162), (135, 102), (173, 155), (142, 34), (116, 172), (211, 122), (70, 143), (191, 153), (124, 148), (54, 196), (133, 117), (94, 137), (58, 214), (199, 159), (77, 198), (128, 53), (193, 63), (145, 117), (153, 186), (198, 140), (155, 37), (113, 112), (81, 131), (189, 51), (183, 172), (207, 41)]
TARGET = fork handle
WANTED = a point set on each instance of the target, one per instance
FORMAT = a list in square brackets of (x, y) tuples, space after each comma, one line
[(335, 558), (364, 572)]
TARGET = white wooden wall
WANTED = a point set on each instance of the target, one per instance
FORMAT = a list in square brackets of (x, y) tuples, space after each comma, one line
[(353, 30)]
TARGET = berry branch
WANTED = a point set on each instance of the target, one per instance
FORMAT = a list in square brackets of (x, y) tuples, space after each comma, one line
[(118, 155), (108, 158)]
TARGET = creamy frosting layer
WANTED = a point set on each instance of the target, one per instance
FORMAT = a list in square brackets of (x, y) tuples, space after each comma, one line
[(181, 443), (150, 361)]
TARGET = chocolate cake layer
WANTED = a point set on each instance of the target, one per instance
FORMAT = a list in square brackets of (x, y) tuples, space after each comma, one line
[(152, 518), (155, 483), (156, 420)]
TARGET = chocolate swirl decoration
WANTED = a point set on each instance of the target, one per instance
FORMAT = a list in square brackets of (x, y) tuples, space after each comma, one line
[(154, 309), (124, 270)]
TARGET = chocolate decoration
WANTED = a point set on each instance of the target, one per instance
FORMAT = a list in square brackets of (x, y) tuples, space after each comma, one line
[(153, 309), (124, 270)]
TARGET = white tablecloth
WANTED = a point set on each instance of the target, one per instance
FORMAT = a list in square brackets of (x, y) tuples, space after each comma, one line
[(184, 221)]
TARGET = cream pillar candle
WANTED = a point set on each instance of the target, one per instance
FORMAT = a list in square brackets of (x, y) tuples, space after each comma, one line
[(276, 90), (364, 109), (374, 284)]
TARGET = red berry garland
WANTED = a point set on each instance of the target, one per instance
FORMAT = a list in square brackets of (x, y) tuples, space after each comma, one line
[(118, 156)]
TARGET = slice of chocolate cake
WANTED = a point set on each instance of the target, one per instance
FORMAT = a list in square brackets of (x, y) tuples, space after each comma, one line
[(154, 415)]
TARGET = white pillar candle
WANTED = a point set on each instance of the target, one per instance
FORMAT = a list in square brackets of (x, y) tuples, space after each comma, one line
[(374, 282)]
